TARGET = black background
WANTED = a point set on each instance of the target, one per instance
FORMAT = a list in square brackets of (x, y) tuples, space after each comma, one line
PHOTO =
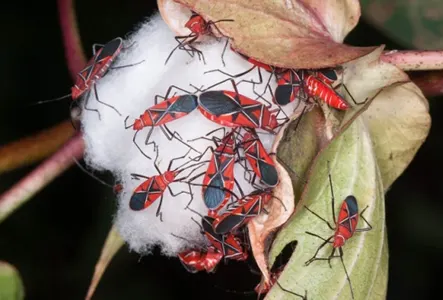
[(55, 239)]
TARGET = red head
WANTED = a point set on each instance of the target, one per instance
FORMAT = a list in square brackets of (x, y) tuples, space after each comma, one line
[(169, 176), (197, 24), (339, 240), (138, 124)]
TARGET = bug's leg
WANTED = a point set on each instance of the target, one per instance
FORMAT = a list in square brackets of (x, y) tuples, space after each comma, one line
[(85, 105), (159, 213), (305, 297), (366, 221), (138, 147), (103, 103), (127, 66), (308, 262), (182, 41), (346, 272), (138, 176), (231, 75), (321, 218), (175, 135)]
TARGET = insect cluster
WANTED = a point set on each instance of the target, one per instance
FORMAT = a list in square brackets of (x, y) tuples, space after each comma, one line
[(220, 166)]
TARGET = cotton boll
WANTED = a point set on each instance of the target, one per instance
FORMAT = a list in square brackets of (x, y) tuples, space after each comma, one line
[(131, 90)]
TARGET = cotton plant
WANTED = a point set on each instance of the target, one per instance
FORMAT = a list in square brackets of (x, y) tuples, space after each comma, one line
[(366, 147)]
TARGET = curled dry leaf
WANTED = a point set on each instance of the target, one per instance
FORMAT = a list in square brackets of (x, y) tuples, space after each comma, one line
[(286, 33), (175, 15), (355, 172), (289, 188), (399, 123)]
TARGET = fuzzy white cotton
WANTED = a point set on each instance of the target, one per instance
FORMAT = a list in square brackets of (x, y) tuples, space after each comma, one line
[(131, 91)]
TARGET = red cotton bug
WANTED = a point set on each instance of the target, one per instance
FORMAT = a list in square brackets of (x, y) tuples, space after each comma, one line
[(345, 227), (260, 161), (226, 108), (195, 261), (198, 27), (222, 246), (218, 179), (232, 109), (96, 68), (227, 244), (153, 187), (241, 212)]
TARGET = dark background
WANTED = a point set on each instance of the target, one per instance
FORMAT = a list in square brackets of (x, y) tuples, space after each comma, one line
[(55, 239)]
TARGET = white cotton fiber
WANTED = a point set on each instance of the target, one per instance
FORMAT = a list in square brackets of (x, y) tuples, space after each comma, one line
[(131, 91)]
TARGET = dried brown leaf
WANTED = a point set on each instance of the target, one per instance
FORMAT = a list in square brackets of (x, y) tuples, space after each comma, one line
[(287, 33)]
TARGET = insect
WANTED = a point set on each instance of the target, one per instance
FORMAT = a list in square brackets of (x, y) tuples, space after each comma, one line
[(260, 161), (95, 69), (222, 246), (198, 26), (153, 187), (242, 211), (345, 227), (195, 261), (219, 177), (227, 108), (228, 244)]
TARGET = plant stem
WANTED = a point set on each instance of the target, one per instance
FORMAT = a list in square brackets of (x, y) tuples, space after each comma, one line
[(71, 38), (414, 60), (41, 176), (33, 148)]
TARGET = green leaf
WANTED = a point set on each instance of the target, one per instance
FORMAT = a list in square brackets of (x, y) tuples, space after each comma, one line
[(11, 285), (355, 172)]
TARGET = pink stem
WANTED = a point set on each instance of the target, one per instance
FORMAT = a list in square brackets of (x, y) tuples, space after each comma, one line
[(414, 60), (71, 38), (41, 176)]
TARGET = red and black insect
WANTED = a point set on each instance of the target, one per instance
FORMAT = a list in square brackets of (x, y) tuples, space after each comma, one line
[(198, 26), (153, 187), (228, 244), (222, 246), (345, 227), (241, 212), (262, 164), (219, 179), (231, 109), (95, 69), (195, 260), (227, 108)]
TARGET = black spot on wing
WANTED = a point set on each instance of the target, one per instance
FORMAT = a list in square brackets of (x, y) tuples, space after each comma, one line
[(283, 94), (110, 48), (268, 173), (352, 205), (137, 201), (217, 103), (214, 194), (228, 223), (329, 73), (185, 104)]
